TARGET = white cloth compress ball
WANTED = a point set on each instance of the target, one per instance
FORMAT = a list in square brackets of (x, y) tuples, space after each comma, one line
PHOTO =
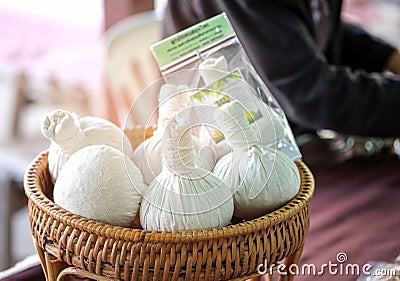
[(184, 196), (213, 69), (148, 155), (270, 128), (100, 183), (262, 179), (68, 133)]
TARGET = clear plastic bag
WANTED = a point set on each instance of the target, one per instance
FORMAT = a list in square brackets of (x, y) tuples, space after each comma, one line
[(209, 59)]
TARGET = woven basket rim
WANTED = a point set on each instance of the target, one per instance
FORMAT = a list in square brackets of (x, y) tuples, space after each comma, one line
[(37, 197)]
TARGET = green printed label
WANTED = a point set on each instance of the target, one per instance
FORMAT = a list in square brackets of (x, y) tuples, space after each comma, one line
[(216, 94), (192, 39)]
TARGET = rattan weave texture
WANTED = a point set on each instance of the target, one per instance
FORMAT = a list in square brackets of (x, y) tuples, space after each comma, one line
[(89, 248)]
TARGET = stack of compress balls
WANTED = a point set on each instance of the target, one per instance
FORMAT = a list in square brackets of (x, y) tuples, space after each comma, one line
[(170, 181)]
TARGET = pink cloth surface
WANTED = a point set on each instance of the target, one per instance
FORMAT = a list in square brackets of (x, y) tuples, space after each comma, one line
[(354, 211), (47, 47), (380, 18)]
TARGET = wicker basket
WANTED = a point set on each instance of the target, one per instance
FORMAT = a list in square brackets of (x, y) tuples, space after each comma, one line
[(70, 244)]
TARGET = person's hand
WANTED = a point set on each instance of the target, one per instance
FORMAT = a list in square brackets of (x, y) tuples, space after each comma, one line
[(394, 63)]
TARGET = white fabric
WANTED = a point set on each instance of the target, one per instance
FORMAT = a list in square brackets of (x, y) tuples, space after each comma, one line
[(213, 69), (68, 133), (269, 128), (262, 179), (183, 196), (148, 155), (173, 99), (101, 183)]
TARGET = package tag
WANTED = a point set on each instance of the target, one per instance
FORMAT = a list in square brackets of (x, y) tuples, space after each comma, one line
[(192, 40)]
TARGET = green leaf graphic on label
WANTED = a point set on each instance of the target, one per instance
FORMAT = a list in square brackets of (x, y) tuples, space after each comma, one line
[(221, 101), (252, 116), (218, 136), (230, 87)]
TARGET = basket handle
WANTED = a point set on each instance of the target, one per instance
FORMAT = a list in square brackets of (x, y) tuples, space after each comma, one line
[(79, 273)]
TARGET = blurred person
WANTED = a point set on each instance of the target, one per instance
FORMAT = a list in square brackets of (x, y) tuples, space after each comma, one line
[(325, 73)]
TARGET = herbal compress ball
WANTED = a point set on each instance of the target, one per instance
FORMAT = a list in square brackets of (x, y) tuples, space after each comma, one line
[(262, 179), (101, 183), (184, 196)]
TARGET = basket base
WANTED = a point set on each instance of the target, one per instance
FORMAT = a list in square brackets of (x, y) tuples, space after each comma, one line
[(57, 270)]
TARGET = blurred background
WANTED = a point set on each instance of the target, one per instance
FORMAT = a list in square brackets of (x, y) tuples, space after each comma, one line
[(90, 57)]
